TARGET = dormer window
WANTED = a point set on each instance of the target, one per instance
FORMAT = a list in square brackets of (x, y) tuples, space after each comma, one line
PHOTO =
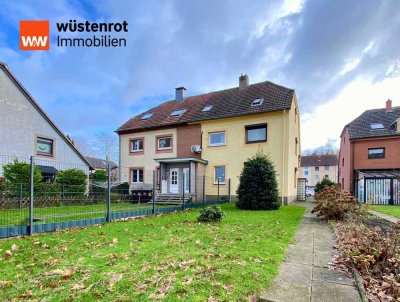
[(257, 102), (146, 116), (377, 126), (177, 112), (207, 108)]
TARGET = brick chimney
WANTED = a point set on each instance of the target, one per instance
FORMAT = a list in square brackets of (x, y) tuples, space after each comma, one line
[(180, 93), (388, 105), (243, 81)]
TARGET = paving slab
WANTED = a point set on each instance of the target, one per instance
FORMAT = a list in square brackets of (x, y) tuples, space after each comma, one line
[(326, 292), (304, 275), (284, 292), (323, 274)]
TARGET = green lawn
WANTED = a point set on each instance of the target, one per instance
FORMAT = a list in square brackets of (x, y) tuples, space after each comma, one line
[(170, 257), (390, 210), (15, 217)]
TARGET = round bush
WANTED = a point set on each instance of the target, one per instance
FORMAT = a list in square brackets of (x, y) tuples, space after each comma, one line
[(211, 214), (258, 188)]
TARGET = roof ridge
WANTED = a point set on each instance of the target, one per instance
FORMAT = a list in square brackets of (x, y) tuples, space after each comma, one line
[(229, 102), (216, 91)]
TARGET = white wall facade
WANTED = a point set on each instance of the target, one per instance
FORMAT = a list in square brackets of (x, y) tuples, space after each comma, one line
[(21, 123)]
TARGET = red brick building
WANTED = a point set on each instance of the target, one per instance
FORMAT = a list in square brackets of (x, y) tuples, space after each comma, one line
[(369, 157)]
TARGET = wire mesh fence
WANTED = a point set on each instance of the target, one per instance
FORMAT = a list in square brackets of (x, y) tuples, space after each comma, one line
[(39, 195)]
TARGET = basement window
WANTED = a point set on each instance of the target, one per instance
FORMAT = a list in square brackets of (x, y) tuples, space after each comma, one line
[(207, 108), (177, 112), (146, 116), (257, 102), (375, 126)]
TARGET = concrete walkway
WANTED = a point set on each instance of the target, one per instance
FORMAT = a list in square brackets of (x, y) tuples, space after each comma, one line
[(384, 216), (304, 275)]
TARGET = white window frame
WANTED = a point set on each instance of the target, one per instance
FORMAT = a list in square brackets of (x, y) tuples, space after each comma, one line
[(176, 113), (137, 175), (215, 175), (216, 144), (147, 116), (132, 144), (164, 148), (257, 102), (207, 108)]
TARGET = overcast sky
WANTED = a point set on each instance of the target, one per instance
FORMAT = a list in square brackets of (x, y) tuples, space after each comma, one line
[(341, 57)]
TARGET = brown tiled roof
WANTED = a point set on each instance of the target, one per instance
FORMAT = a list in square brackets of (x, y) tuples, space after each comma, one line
[(226, 103), (361, 126), (318, 160)]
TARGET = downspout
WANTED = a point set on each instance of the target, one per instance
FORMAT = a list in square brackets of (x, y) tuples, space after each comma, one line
[(119, 158), (283, 155)]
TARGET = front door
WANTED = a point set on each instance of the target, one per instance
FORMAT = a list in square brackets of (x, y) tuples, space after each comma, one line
[(186, 179), (173, 180)]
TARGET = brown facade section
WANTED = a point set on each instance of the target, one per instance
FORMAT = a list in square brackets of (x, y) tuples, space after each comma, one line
[(188, 136), (169, 150), (354, 156), (392, 153)]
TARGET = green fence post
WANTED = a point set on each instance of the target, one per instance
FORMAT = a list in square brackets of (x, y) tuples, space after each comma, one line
[(229, 190), (183, 191), (31, 196), (204, 188), (20, 197), (153, 194), (108, 219), (218, 189)]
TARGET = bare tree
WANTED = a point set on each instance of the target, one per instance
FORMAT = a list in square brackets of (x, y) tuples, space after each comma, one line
[(106, 146), (83, 146), (329, 148)]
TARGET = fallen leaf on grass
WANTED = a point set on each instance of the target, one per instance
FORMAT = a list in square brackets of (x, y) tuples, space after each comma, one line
[(8, 254), (25, 295), (65, 273), (114, 278), (5, 283), (162, 290), (228, 287), (188, 281), (212, 299), (14, 247), (252, 298), (78, 287)]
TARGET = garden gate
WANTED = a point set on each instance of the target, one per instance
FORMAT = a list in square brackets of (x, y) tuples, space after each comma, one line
[(301, 189)]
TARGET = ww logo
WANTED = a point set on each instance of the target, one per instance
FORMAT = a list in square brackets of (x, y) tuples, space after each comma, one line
[(34, 35)]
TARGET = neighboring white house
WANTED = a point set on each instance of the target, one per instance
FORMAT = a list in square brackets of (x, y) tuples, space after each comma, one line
[(315, 168), (26, 130)]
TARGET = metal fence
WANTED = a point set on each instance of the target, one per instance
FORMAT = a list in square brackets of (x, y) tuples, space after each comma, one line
[(43, 195), (379, 191)]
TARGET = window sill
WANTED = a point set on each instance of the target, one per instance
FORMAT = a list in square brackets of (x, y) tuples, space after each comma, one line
[(136, 152), (222, 145), (221, 183), (44, 154), (255, 142)]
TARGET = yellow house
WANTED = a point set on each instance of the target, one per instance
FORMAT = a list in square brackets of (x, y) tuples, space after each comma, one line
[(199, 144)]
